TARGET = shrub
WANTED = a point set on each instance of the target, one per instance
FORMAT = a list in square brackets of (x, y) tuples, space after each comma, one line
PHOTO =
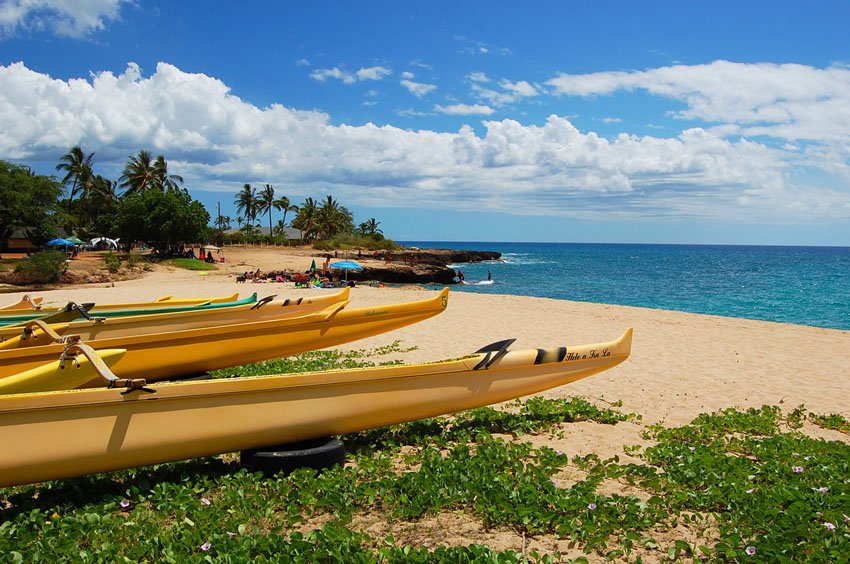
[(134, 258), (112, 261), (45, 267)]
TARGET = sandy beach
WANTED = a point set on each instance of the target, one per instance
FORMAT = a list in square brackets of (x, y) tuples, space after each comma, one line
[(681, 364)]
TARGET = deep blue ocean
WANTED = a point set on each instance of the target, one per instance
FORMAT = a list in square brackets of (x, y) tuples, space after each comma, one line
[(802, 285)]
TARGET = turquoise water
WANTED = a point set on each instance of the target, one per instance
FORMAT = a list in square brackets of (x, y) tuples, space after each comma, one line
[(802, 285)]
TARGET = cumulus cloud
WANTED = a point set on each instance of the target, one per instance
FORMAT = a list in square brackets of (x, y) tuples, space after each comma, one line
[(787, 101), (418, 89), (218, 141), (61, 17)]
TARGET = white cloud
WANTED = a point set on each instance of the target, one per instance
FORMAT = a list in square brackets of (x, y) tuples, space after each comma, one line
[(62, 17), (464, 110), (478, 77), (787, 101), (511, 92), (370, 73), (408, 75), (218, 141), (418, 89), (323, 74), (302, 63), (521, 89), (373, 73), (611, 120)]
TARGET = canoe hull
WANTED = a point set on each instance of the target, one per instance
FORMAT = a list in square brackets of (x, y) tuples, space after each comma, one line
[(159, 322), (161, 356), (64, 434)]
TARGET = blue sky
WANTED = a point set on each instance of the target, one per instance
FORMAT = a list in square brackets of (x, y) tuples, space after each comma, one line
[(677, 122)]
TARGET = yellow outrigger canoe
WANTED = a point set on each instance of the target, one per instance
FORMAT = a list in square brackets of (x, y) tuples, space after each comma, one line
[(91, 328), (56, 435), (179, 353), (33, 305), (26, 303)]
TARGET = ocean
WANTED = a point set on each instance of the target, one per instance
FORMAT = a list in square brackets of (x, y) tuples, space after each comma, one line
[(802, 285)]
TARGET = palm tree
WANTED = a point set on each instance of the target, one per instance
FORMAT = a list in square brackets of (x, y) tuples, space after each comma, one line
[(370, 227), (104, 200), (162, 180), (283, 204), (333, 218), (223, 222), (246, 201), (265, 203), (78, 170), (307, 219), (139, 173)]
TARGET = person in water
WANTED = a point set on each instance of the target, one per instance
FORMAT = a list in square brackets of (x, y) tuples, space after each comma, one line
[(489, 275)]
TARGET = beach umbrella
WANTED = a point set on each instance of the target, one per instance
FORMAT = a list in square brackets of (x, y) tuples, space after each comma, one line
[(346, 265), (59, 242), (76, 240)]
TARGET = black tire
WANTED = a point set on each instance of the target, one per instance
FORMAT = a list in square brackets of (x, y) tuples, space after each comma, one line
[(314, 453)]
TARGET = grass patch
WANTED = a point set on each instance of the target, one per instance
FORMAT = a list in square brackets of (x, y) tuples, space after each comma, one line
[(730, 486), (190, 264)]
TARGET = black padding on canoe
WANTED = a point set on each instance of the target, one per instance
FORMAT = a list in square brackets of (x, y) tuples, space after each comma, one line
[(500, 349), (263, 302), (497, 346), (550, 355)]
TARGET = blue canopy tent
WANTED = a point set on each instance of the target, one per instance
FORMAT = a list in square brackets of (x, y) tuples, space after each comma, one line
[(346, 265), (59, 242)]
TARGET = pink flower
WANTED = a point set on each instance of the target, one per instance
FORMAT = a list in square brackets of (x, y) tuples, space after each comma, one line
[(820, 490), (231, 535), (205, 501), (796, 469), (846, 518), (591, 506), (125, 503), (750, 550), (829, 526), (206, 546)]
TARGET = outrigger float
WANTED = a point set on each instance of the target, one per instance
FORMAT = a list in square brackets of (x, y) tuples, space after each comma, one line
[(63, 434), (29, 304), (91, 326), (162, 355), (121, 310)]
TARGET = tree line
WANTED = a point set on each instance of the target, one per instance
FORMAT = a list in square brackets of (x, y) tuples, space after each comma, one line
[(149, 203)]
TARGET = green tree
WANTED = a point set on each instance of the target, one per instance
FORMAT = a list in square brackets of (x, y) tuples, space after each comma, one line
[(370, 227), (283, 204), (102, 205), (161, 218), (28, 201), (79, 179), (334, 218), (77, 166), (307, 220), (246, 202), (265, 203), (162, 180), (139, 174)]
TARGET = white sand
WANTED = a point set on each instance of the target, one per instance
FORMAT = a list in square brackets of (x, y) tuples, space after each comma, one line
[(681, 364)]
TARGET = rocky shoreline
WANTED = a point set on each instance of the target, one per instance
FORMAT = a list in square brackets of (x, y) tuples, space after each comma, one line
[(410, 266), (425, 266)]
